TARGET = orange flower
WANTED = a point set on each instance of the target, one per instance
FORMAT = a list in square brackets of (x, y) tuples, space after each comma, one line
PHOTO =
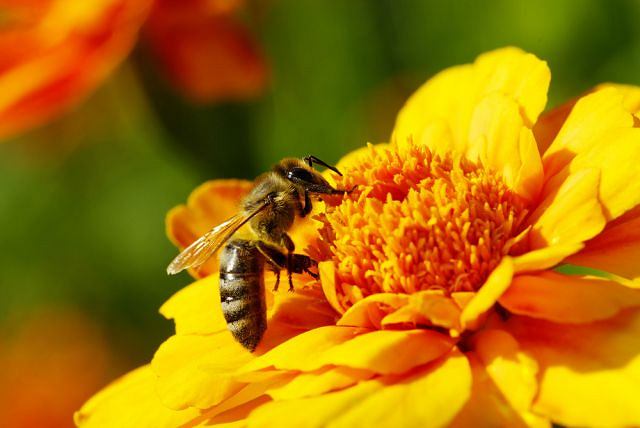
[(204, 50), (443, 299), (52, 360), (54, 53)]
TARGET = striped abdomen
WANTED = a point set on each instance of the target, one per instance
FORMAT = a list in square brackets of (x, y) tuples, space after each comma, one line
[(242, 291)]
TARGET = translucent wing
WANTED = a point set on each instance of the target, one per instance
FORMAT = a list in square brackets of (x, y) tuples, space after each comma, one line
[(204, 247)]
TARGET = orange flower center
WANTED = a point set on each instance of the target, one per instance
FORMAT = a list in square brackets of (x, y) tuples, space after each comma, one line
[(417, 221)]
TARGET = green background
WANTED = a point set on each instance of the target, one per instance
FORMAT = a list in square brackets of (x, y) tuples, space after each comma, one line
[(83, 200)]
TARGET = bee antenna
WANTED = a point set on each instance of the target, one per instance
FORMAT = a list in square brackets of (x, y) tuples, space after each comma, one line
[(310, 160)]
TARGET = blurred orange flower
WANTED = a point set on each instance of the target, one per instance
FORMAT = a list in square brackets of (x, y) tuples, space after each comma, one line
[(204, 51), (440, 301), (53, 53), (51, 360)]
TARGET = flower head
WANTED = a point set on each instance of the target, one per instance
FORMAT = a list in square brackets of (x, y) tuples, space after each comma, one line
[(444, 297)]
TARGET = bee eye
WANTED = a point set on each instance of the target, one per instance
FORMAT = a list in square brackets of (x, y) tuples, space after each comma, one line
[(300, 174)]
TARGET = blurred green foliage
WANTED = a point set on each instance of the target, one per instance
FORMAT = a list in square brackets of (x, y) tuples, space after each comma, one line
[(82, 201)]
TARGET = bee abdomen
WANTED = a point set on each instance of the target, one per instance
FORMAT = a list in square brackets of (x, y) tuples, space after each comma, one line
[(242, 292)]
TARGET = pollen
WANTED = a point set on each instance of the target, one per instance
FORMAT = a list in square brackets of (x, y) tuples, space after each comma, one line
[(417, 221)]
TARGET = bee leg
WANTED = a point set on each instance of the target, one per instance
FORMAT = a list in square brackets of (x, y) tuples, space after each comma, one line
[(274, 258), (277, 272), (303, 208), (312, 274), (307, 204), (290, 246)]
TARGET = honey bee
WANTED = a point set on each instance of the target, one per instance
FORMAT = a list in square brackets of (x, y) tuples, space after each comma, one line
[(270, 208)]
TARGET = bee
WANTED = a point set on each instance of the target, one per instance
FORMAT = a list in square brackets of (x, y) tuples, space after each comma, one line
[(270, 209)]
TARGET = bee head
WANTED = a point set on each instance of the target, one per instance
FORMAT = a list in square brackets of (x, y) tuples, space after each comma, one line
[(301, 173)]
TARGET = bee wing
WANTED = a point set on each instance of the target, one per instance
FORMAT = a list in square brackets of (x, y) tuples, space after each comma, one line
[(204, 247)]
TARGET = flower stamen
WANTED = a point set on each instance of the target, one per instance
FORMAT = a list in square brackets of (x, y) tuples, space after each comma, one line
[(417, 221)]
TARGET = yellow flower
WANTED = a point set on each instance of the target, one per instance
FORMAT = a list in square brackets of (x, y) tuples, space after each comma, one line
[(443, 299)]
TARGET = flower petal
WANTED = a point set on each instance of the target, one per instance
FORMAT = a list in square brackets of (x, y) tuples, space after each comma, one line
[(488, 295), (53, 54), (545, 258), (355, 156), (568, 299), (512, 371), (235, 417), (305, 309), (590, 373), (196, 308), (615, 250), (369, 312), (617, 160), (430, 396), (570, 214), (196, 370), (130, 401), (356, 348), (549, 124), (320, 382), (487, 405), (630, 96), (452, 95), (327, 272), (239, 405), (517, 73), (592, 119), (439, 100), (209, 204), (499, 138), (426, 308)]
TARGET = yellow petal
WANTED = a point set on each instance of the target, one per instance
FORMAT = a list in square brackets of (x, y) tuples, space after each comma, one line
[(617, 160), (570, 214), (487, 406), (591, 120), (521, 75), (512, 371), (196, 308), (320, 382), (356, 156), (327, 272), (235, 417), (488, 295), (616, 250), (545, 258), (130, 401), (426, 308), (236, 408), (430, 396), (209, 204), (304, 309), (590, 373), (369, 312), (568, 299), (377, 351), (442, 99), (499, 138), (197, 370), (630, 96), (452, 95), (548, 125)]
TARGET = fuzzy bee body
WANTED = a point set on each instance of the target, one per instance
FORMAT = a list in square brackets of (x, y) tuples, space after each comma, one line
[(242, 291)]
